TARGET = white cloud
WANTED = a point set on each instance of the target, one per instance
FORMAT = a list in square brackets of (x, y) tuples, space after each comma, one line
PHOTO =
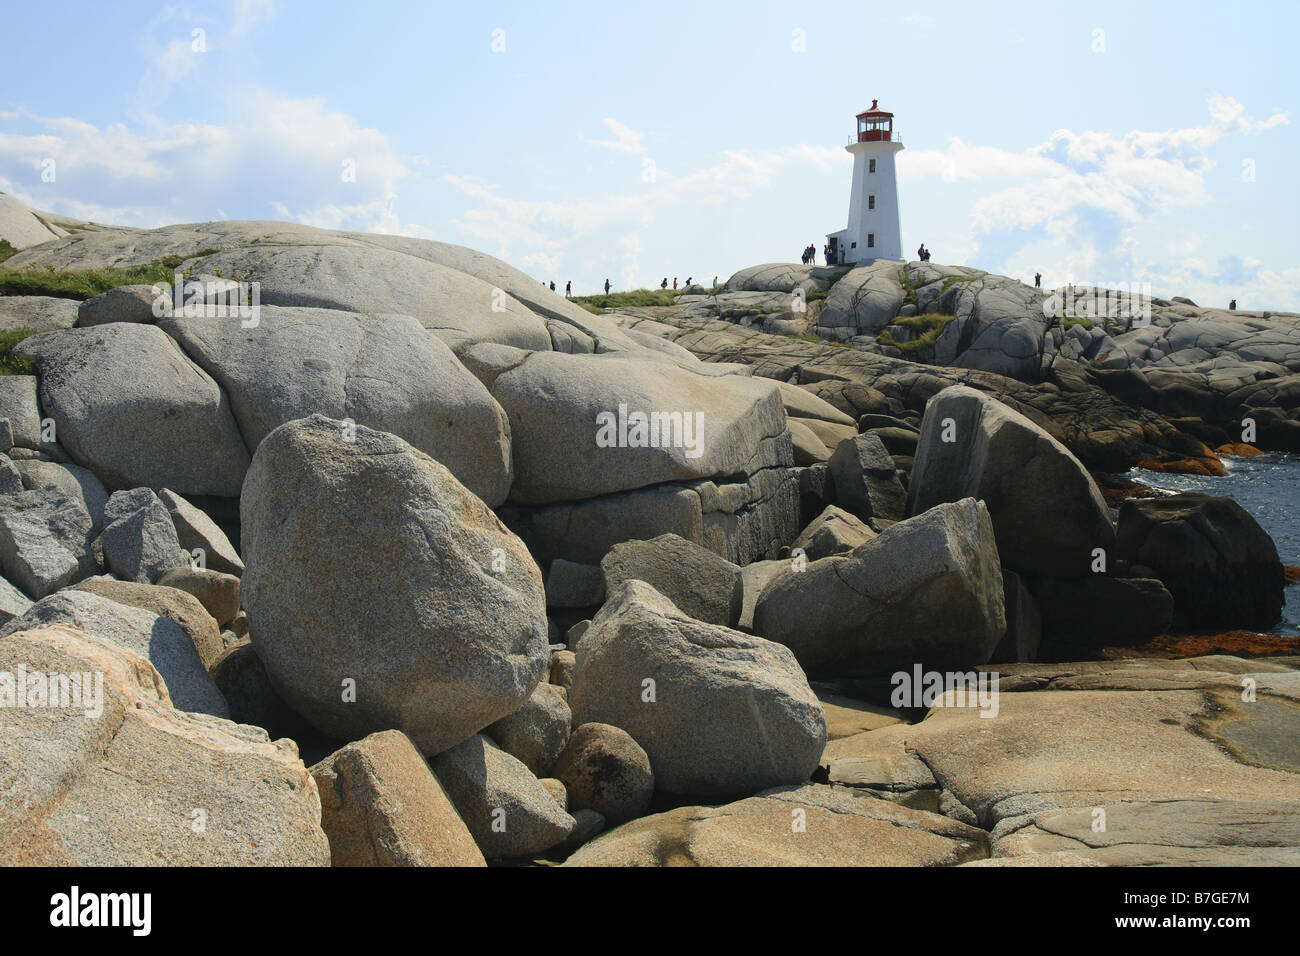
[(287, 156), (1085, 194), (541, 235), (626, 139)]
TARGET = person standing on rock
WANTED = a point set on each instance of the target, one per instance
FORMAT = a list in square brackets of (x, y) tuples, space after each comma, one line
[(674, 283), (715, 282), (606, 287), (1038, 280), (664, 284), (688, 281), (1232, 306), (568, 288), (552, 285)]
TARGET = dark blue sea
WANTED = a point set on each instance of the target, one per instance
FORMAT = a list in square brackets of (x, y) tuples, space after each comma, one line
[(1268, 486)]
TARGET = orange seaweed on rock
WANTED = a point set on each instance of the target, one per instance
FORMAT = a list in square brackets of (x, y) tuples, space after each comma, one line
[(1211, 466), (1240, 449), (1236, 643)]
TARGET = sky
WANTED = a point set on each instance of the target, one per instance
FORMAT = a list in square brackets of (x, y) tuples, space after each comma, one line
[(1097, 143)]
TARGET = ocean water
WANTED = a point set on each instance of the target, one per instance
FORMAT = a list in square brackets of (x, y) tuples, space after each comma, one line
[(1268, 486)]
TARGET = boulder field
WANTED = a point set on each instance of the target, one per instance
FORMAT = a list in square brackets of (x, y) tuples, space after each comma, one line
[(421, 564)]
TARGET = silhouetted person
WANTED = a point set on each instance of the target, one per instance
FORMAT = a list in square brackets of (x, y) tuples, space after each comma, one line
[(920, 252), (552, 285), (1038, 280), (664, 284), (606, 287), (1232, 306), (688, 281), (674, 283), (568, 288), (715, 282), (826, 254)]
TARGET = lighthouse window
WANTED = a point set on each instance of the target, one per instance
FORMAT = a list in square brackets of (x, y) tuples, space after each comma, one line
[(871, 240), (871, 165), (871, 202)]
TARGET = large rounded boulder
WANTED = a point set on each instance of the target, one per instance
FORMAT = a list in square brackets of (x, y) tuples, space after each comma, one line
[(380, 592)]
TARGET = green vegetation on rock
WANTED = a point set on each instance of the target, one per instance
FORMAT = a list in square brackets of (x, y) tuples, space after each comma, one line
[(6, 250), (88, 283), (928, 327), (8, 364), (637, 297)]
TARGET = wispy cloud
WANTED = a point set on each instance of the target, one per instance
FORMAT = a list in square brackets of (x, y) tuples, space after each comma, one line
[(1085, 193), (626, 139)]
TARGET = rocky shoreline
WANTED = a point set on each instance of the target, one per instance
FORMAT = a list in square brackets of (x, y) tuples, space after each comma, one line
[(358, 579)]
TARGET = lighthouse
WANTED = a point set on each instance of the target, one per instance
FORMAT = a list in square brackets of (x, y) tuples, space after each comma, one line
[(873, 231)]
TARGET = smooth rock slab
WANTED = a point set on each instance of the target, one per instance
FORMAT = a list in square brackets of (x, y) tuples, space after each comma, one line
[(812, 825), (367, 561), (731, 713), (1220, 832), (121, 788), (1050, 750)]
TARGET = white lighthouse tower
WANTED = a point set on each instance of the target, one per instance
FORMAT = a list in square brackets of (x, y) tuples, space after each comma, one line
[(873, 231)]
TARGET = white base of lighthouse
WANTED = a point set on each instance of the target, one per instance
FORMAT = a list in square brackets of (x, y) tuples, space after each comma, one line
[(873, 231)]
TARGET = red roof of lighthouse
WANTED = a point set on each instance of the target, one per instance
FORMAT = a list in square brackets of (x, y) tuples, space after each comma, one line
[(875, 111)]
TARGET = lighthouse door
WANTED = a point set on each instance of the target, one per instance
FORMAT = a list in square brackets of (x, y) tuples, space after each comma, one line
[(835, 249)]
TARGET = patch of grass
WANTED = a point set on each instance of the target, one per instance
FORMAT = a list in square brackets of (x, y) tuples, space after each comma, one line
[(8, 364), (816, 296), (929, 326), (1070, 323), (593, 309), (88, 283), (637, 297), (909, 289), (6, 250), (950, 281)]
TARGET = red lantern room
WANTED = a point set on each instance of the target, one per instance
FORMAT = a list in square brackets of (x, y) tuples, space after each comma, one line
[(875, 125)]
